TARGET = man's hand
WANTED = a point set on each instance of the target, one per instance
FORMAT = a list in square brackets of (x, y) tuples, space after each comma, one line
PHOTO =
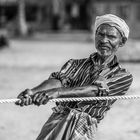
[(40, 98), (25, 98)]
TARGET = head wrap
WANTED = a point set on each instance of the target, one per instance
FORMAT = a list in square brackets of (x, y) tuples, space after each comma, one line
[(109, 18)]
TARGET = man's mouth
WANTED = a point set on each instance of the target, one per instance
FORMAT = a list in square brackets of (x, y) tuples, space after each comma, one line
[(104, 47)]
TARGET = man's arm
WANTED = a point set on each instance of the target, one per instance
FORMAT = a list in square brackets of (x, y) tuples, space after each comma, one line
[(46, 85), (84, 91), (26, 95)]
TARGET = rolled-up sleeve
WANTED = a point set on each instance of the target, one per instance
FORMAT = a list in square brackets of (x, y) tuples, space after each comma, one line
[(64, 75), (116, 85), (120, 83)]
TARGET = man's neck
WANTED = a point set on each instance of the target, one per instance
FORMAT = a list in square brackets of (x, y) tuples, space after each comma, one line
[(107, 59)]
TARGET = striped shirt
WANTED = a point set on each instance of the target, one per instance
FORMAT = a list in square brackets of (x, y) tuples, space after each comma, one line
[(110, 78)]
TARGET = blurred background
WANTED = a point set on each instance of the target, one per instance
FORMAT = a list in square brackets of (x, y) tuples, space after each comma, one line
[(38, 36)]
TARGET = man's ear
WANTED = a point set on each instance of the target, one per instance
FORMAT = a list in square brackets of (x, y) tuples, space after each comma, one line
[(123, 41)]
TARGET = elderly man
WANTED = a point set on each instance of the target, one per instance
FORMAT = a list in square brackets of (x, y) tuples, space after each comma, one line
[(98, 75)]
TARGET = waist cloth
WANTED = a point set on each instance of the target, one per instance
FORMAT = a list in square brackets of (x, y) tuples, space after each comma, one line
[(72, 125)]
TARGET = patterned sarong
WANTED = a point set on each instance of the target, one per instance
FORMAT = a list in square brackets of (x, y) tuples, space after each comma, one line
[(75, 125)]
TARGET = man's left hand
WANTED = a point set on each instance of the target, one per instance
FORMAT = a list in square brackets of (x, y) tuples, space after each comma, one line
[(40, 98)]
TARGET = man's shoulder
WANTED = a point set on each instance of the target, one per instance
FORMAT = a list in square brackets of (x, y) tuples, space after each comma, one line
[(123, 71), (92, 57), (78, 61), (121, 74)]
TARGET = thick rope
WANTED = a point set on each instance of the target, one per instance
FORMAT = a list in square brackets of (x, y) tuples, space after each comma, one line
[(125, 97)]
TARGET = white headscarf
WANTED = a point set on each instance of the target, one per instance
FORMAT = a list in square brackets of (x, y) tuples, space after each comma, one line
[(109, 18)]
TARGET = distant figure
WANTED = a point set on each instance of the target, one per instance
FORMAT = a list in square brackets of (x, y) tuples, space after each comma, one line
[(98, 75), (4, 40), (56, 5), (75, 15)]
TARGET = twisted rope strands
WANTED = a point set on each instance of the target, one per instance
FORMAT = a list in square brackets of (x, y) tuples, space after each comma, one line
[(96, 98), (8, 100), (125, 97)]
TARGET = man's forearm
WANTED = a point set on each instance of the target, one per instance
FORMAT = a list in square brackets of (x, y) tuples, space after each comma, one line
[(46, 85), (84, 91), (54, 89), (44, 96)]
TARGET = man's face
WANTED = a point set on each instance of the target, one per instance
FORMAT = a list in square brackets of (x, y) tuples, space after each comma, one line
[(107, 40)]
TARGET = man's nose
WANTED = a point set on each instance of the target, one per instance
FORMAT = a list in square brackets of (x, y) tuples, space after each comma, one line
[(104, 39)]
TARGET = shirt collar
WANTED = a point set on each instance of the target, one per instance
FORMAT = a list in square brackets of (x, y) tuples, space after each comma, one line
[(96, 59)]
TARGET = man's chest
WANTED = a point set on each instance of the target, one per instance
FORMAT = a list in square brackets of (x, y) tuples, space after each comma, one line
[(86, 74)]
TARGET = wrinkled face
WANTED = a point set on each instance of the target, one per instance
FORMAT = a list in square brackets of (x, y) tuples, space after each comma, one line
[(107, 40)]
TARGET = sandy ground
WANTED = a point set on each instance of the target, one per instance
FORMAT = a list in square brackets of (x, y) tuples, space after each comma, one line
[(27, 63)]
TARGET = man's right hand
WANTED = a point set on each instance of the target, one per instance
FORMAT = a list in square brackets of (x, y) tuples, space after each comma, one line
[(25, 98)]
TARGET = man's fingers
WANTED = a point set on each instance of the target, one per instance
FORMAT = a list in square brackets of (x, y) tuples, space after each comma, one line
[(40, 98), (18, 102), (35, 97), (22, 102), (30, 101), (27, 101), (44, 100)]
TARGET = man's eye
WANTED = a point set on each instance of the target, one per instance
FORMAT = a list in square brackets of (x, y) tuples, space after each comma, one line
[(100, 34), (111, 36)]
